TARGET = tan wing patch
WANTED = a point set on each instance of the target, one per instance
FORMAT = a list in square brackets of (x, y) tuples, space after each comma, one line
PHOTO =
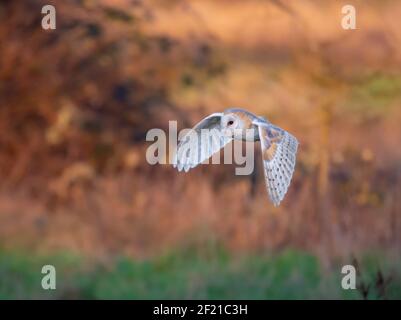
[(270, 144), (279, 150), (269, 153)]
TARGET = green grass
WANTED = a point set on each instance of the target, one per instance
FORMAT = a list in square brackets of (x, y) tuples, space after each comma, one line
[(375, 94), (209, 274)]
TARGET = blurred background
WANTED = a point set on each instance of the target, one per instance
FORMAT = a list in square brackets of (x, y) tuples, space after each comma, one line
[(76, 190)]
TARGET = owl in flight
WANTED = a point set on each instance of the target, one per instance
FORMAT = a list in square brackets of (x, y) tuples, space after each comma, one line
[(279, 147)]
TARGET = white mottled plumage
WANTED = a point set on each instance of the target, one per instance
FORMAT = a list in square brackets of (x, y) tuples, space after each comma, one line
[(279, 147)]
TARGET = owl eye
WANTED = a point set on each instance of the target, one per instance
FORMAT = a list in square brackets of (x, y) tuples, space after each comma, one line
[(230, 123)]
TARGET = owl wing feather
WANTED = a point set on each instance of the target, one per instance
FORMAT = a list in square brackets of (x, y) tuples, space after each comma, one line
[(279, 150), (200, 143)]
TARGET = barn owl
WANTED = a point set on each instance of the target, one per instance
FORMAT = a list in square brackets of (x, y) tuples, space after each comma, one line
[(279, 147)]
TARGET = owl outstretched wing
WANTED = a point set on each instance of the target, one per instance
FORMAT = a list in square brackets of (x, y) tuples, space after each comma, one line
[(200, 143), (279, 150)]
